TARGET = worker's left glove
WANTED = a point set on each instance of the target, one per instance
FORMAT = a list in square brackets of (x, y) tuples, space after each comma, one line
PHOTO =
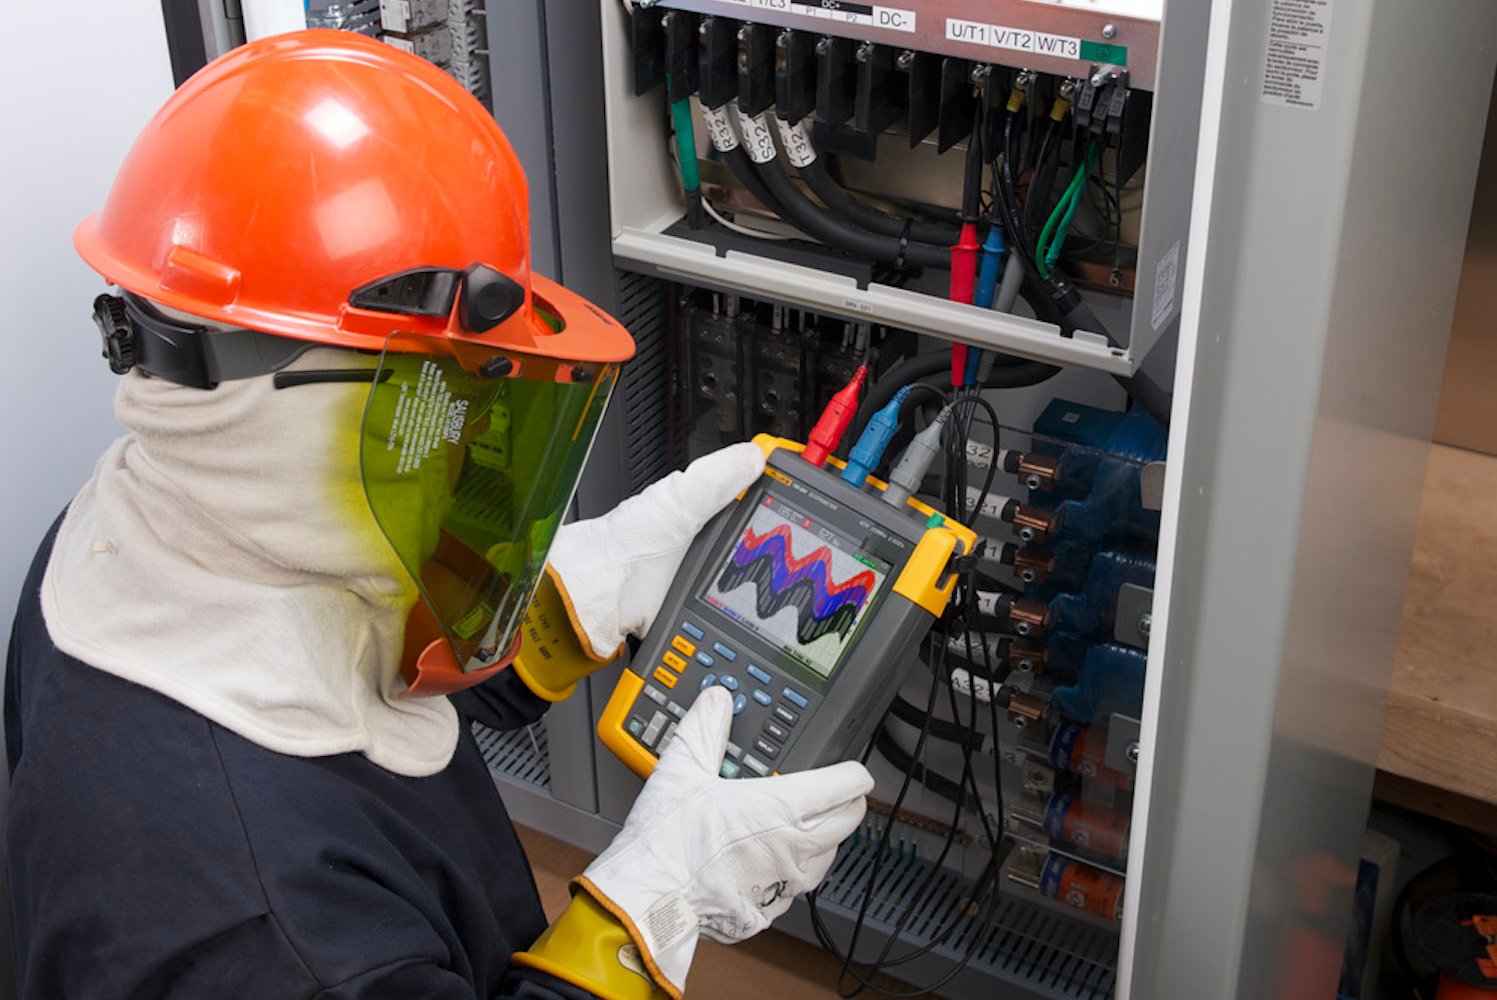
[(703, 855), (607, 576)]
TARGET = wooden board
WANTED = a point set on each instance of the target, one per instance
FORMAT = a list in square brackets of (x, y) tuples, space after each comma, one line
[(1441, 725)]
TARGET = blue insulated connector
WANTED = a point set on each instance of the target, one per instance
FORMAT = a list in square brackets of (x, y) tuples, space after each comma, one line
[(865, 455)]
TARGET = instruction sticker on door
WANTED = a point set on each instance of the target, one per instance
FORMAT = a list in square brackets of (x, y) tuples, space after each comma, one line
[(1298, 36)]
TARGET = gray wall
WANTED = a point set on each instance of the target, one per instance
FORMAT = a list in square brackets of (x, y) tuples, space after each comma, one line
[(78, 84)]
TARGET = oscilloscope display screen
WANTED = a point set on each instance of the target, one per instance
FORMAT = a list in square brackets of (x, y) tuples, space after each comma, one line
[(800, 585)]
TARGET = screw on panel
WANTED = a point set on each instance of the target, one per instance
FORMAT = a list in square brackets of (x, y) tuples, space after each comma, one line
[(1011, 757), (1020, 722), (1131, 752), (703, 27), (1028, 575), (1033, 482), (1027, 534), (1109, 31), (1022, 628), (1145, 623), (905, 61), (823, 45), (1115, 279), (979, 74), (864, 53)]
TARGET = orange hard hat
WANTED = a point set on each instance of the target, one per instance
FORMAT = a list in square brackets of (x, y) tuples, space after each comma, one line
[(326, 187)]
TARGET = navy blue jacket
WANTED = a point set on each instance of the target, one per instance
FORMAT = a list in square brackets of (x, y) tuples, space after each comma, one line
[(155, 855)]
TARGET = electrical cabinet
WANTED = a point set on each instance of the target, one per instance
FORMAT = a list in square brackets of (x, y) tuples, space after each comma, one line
[(1239, 226)]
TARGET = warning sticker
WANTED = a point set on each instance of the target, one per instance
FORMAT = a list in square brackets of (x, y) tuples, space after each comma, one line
[(1166, 278), (1294, 68)]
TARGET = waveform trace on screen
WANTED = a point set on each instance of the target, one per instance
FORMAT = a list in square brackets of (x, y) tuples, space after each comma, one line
[(822, 604)]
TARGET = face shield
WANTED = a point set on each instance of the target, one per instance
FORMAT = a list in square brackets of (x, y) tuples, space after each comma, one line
[(469, 456)]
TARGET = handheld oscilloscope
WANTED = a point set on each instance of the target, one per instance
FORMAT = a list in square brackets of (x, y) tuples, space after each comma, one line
[(805, 600)]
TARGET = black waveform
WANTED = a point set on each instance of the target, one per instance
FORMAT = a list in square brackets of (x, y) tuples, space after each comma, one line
[(801, 595)]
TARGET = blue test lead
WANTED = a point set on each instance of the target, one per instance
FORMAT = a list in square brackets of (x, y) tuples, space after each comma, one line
[(865, 455), (992, 263)]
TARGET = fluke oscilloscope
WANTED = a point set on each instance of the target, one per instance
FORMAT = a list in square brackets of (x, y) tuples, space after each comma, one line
[(805, 599)]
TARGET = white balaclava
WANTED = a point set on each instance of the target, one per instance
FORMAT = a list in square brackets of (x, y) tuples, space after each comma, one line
[(223, 554)]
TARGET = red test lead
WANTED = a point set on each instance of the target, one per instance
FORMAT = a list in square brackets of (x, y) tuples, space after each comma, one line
[(827, 433)]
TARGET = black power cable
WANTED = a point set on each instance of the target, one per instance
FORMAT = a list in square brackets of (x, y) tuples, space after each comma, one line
[(822, 225), (860, 213)]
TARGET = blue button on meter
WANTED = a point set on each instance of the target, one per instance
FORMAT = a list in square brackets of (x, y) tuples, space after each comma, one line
[(763, 698), (759, 674), (706, 660), (795, 698), (723, 651), (729, 681), (691, 630), (739, 704)]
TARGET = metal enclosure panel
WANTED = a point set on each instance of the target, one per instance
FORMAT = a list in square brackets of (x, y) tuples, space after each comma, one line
[(1326, 247), (522, 107), (646, 202)]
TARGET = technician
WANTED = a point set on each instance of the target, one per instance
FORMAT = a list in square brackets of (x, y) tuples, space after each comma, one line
[(243, 669)]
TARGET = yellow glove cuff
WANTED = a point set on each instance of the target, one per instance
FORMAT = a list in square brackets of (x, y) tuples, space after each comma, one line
[(590, 949), (553, 657)]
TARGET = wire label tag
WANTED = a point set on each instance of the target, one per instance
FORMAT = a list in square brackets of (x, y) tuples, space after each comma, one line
[(758, 141)]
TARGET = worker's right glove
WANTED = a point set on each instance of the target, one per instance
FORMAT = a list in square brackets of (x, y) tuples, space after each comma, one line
[(607, 576), (703, 855)]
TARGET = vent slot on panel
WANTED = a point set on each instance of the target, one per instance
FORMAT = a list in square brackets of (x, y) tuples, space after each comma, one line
[(1020, 943), (519, 754), (646, 384)]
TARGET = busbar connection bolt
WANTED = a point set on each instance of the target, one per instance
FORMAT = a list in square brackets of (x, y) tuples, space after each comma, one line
[(905, 61), (1109, 31), (864, 53), (823, 45), (979, 75)]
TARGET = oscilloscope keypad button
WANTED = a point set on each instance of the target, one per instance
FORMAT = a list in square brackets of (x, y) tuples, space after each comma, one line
[(734, 750), (759, 674), (776, 730), (692, 631), (675, 710), (655, 694), (795, 698), (755, 764), (763, 698), (729, 681), (729, 769), (786, 716), (767, 748), (708, 680), (725, 652), (706, 660), (739, 704), (653, 730)]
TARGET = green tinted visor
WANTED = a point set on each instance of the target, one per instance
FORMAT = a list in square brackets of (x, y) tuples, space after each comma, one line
[(469, 460)]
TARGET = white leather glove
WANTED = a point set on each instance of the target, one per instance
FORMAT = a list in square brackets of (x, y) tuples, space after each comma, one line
[(614, 570), (703, 855)]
